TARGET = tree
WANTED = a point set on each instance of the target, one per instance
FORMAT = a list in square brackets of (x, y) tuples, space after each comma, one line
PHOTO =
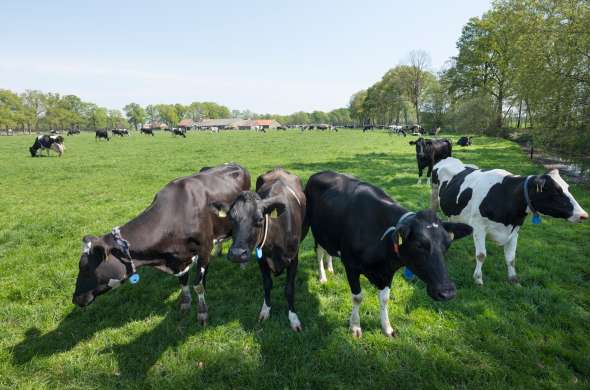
[(414, 78), (135, 115)]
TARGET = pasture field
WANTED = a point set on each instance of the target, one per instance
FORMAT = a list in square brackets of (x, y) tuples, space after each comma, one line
[(495, 336)]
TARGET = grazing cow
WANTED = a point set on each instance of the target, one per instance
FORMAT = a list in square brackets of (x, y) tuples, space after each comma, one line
[(102, 133), (147, 131), (396, 129), (121, 132), (180, 132), (73, 132), (375, 236), (368, 127), (464, 141), (174, 232), (46, 142), (496, 203), (429, 152), (275, 240)]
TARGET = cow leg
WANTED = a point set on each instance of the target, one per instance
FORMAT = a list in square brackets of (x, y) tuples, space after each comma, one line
[(428, 173), (420, 176), (384, 312), (185, 296), (290, 294), (320, 255), (434, 201), (199, 287), (329, 263), (510, 256), (267, 285), (357, 297), (479, 238)]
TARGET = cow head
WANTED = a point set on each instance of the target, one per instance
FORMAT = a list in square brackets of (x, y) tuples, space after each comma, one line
[(420, 146), (421, 242), (550, 195), (99, 270), (247, 215)]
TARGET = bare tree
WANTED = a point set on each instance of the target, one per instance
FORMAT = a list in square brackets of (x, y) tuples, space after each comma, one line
[(415, 77)]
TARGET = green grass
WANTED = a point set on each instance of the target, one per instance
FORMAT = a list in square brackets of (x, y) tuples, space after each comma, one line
[(136, 337)]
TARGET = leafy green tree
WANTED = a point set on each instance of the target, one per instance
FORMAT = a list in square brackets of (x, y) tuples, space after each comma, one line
[(136, 115)]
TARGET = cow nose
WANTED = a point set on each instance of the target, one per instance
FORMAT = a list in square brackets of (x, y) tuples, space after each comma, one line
[(239, 255), (584, 216), (447, 293)]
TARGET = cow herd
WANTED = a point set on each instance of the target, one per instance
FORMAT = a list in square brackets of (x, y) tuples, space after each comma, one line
[(370, 232)]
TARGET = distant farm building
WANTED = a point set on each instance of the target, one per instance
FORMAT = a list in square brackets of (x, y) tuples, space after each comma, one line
[(238, 124), (154, 126), (187, 124)]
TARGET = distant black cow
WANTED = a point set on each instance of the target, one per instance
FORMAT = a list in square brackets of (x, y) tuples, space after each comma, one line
[(102, 133), (464, 141), (147, 131), (46, 142), (180, 132), (176, 231), (275, 240), (281, 128), (374, 236), (73, 132), (121, 132), (429, 152), (368, 127)]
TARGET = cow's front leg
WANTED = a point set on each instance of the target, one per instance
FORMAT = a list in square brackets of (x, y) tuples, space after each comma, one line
[(428, 174), (199, 287), (384, 313), (267, 285), (357, 297), (185, 294), (420, 170), (479, 239), (290, 294), (510, 256)]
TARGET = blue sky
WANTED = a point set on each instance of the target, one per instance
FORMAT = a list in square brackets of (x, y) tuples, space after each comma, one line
[(266, 56)]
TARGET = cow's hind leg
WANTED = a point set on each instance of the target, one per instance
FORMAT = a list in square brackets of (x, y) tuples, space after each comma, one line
[(267, 286), (320, 252), (510, 256), (479, 238), (290, 294), (199, 287), (185, 295)]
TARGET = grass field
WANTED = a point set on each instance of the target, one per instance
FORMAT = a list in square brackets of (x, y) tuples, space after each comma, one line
[(493, 336)]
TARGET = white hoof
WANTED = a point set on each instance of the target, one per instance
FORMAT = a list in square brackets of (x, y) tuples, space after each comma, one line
[(389, 332), (264, 312), (294, 321), (356, 331), (478, 280), (323, 280)]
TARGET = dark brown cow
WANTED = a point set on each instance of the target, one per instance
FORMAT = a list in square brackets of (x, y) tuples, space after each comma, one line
[(175, 231), (275, 240)]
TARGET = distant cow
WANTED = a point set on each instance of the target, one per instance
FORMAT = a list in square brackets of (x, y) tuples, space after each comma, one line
[(73, 132), (147, 131), (375, 236), (429, 152), (275, 240), (46, 142), (174, 232), (396, 129), (120, 132), (180, 132), (464, 141), (496, 203), (102, 133), (368, 127)]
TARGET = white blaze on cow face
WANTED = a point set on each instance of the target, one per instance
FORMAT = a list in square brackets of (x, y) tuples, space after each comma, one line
[(578, 213), (86, 246), (114, 283)]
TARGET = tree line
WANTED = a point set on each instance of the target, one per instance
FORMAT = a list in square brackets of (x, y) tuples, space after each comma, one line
[(525, 64)]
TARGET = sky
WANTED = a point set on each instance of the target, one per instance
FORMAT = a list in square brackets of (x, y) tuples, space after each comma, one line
[(266, 56)]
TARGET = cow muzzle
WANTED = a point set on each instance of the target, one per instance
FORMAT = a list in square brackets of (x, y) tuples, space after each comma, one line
[(83, 299), (238, 255), (443, 293)]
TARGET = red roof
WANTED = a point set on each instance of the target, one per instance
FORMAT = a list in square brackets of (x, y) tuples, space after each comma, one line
[(264, 122), (185, 123)]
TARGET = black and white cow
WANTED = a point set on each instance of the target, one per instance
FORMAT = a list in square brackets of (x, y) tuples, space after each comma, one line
[(73, 132), (375, 236), (274, 239), (121, 132), (494, 202), (47, 142), (464, 141), (180, 132), (147, 131), (429, 152), (175, 231), (101, 133)]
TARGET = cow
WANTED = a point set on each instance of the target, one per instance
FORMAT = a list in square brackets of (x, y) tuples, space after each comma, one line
[(180, 132), (465, 141), (147, 131), (375, 236), (102, 133), (73, 132), (368, 127), (429, 152), (274, 239), (176, 231), (46, 142), (396, 129), (496, 203), (120, 132)]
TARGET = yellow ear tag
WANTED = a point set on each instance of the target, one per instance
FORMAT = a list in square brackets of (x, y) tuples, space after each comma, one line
[(274, 214), (222, 214), (399, 240)]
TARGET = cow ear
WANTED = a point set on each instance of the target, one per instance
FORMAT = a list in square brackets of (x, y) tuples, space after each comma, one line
[(273, 206), (457, 230), (219, 208), (95, 246)]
